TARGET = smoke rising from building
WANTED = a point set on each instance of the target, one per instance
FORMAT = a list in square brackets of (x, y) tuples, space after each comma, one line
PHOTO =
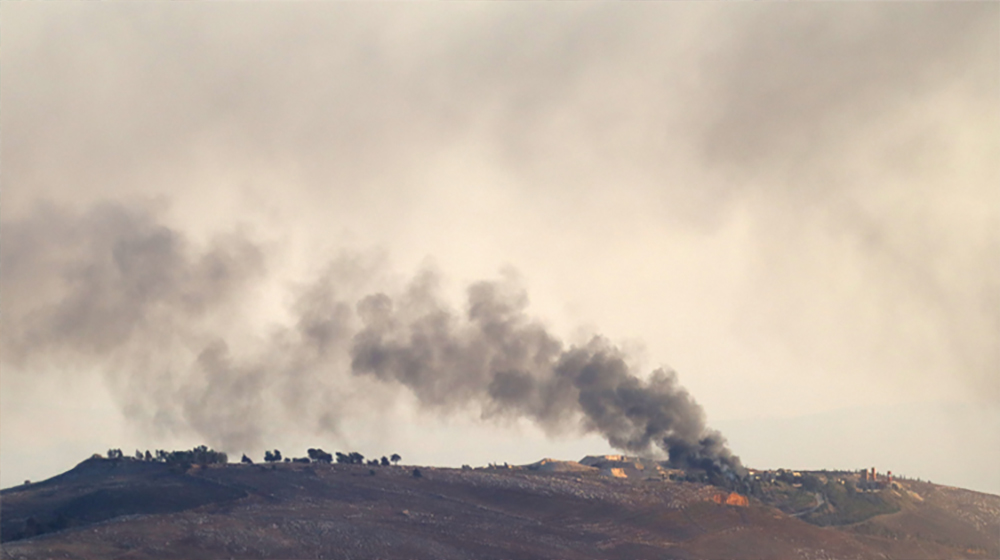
[(133, 297)]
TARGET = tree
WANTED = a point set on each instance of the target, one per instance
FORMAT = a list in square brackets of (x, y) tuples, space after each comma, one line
[(416, 473), (200, 455), (272, 456), (138, 455), (395, 458), (357, 458), (811, 483), (149, 456), (342, 458), (320, 456), (246, 459), (384, 462)]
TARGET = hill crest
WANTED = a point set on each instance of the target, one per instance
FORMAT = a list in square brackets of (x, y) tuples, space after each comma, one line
[(104, 508)]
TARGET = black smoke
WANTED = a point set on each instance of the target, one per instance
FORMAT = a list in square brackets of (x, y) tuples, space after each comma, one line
[(497, 355), (116, 290)]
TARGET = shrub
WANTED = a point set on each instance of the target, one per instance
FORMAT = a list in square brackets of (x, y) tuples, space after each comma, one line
[(320, 456), (200, 455), (272, 456), (851, 506), (811, 483)]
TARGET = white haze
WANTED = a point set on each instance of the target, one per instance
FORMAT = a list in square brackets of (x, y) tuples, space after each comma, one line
[(793, 206)]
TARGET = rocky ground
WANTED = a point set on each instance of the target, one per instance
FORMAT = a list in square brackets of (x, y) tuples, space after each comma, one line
[(104, 509)]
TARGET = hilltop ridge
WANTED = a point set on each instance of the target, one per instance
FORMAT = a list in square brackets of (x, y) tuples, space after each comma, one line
[(566, 509)]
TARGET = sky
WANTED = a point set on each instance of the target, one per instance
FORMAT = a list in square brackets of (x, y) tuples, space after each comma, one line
[(792, 209)]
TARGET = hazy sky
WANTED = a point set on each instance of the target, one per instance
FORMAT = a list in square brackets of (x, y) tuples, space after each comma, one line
[(793, 206)]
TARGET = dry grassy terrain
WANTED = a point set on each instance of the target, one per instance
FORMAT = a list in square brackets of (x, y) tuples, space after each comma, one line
[(125, 509)]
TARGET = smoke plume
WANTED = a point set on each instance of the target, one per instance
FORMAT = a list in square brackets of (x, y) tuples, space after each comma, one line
[(113, 289), (497, 355)]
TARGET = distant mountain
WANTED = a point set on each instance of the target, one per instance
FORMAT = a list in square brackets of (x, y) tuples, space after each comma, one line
[(619, 507)]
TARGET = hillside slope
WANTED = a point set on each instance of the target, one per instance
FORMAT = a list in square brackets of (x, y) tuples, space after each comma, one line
[(112, 509)]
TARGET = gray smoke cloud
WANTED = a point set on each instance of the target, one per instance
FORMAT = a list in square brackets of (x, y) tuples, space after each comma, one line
[(115, 290), (497, 355), (137, 300), (89, 283), (796, 204)]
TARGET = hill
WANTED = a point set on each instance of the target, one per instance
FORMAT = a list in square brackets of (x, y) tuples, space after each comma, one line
[(559, 509)]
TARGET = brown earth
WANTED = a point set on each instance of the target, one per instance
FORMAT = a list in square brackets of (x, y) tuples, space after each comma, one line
[(125, 509)]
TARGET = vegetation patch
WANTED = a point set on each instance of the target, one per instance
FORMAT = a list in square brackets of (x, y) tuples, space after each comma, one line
[(849, 505)]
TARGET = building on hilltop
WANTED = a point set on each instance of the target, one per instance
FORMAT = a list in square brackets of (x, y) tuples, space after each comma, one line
[(870, 480)]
